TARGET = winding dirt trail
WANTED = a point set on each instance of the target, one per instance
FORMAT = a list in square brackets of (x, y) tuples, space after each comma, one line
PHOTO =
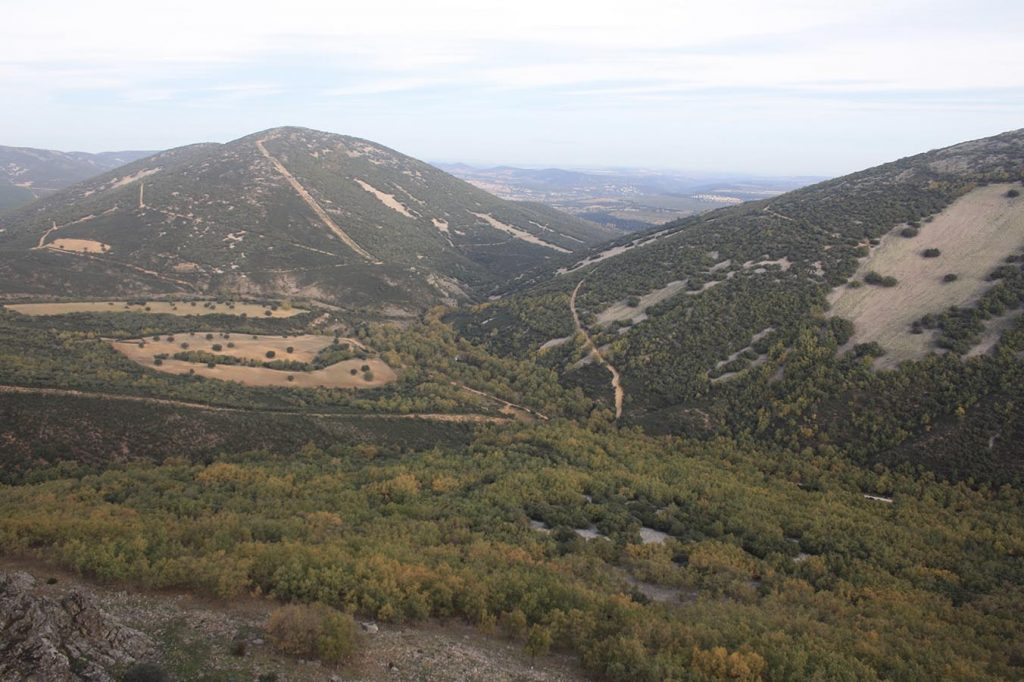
[(506, 405), (42, 240), (312, 203), (620, 395), (429, 416)]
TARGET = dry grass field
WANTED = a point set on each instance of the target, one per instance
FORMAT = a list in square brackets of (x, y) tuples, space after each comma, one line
[(180, 308), (248, 346), (78, 245), (974, 235)]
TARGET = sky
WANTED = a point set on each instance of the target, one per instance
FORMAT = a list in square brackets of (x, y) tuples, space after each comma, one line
[(773, 88)]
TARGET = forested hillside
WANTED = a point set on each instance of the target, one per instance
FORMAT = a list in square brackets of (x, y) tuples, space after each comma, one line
[(720, 324), (650, 558), (27, 174), (284, 212), (667, 456)]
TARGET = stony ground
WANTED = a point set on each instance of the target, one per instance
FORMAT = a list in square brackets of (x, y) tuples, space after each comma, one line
[(199, 639)]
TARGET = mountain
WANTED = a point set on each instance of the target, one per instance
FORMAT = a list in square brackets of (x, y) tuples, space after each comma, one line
[(628, 198), (878, 313), (285, 212), (27, 174)]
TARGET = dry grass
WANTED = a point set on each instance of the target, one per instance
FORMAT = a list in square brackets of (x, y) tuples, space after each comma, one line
[(974, 234), (165, 307), (79, 245), (338, 375), (246, 346), (622, 311)]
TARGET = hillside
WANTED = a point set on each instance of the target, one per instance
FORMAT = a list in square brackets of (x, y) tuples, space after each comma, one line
[(722, 323), (27, 174), (666, 457), (286, 212)]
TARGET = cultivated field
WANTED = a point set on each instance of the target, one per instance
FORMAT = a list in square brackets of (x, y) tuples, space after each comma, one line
[(974, 235), (180, 308), (344, 374)]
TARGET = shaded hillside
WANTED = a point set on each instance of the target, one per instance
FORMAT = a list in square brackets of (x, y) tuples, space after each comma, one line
[(284, 212), (718, 323), (27, 174)]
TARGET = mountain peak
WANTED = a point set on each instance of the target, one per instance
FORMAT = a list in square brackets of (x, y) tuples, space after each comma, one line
[(288, 211)]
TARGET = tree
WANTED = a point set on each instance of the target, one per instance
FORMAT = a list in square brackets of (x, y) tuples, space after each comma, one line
[(538, 641), (931, 253)]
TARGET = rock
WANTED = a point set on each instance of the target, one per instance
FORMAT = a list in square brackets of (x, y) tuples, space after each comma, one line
[(370, 627), (58, 639)]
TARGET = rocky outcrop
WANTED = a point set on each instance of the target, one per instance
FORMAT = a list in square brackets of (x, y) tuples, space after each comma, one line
[(60, 637)]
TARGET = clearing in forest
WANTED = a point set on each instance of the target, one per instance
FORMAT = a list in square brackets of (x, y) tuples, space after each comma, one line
[(352, 372), (179, 308), (517, 233), (78, 245), (973, 235)]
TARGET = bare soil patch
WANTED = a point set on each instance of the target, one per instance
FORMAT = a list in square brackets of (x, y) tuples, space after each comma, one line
[(388, 200), (517, 233)]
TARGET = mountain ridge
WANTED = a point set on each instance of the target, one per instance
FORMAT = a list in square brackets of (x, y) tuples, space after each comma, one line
[(225, 218)]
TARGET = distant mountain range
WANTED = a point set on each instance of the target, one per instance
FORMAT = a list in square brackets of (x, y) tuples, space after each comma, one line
[(27, 174), (629, 198), (288, 211)]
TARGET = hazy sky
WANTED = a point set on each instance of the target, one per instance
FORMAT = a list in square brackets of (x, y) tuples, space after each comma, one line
[(813, 87)]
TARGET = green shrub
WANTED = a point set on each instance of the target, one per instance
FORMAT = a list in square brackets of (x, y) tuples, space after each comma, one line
[(879, 280), (313, 630), (931, 253)]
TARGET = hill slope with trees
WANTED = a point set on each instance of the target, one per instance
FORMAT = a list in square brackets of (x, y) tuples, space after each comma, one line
[(720, 324), (284, 212)]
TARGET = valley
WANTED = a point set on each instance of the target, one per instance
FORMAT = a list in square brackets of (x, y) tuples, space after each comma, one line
[(302, 374)]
